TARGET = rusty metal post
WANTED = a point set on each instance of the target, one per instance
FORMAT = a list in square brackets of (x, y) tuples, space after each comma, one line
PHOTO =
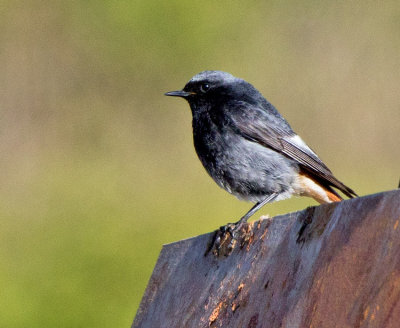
[(335, 265)]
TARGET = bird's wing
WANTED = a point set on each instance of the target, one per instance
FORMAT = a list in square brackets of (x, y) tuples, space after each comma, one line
[(257, 127)]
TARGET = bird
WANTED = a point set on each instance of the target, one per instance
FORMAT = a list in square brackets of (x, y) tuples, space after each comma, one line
[(249, 149)]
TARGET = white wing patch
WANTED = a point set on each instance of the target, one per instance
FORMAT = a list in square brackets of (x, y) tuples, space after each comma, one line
[(296, 140)]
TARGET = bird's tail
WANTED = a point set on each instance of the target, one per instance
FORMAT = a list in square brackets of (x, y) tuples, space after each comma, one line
[(311, 188), (333, 196)]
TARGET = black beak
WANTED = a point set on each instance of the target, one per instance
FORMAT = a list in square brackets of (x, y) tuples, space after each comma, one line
[(180, 93)]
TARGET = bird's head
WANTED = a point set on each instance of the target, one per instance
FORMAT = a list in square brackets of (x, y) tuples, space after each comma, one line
[(208, 89)]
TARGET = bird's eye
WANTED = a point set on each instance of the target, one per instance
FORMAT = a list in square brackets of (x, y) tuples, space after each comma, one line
[(204, 87)]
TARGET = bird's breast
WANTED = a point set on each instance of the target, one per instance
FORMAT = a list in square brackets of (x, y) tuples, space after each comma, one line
[(242, 167)]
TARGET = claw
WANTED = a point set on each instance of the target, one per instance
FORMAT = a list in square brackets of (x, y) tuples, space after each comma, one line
[(227, 237)]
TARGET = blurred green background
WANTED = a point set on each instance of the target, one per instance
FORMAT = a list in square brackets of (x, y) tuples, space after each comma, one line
[(97, 167)]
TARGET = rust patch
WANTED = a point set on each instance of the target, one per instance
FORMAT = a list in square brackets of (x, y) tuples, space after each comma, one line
[(232, 300), (251, 239), (396, 224), (239, 300), (264, 234), (365, 314), (214, 315), (234, 307)]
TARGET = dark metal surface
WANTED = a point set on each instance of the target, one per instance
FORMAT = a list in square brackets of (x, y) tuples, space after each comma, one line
[(335, 265)]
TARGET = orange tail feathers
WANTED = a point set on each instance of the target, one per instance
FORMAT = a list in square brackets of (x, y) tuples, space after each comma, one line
[(332, 197), (308, 187)]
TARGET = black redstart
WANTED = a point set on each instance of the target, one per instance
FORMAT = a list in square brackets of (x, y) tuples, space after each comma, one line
[(248, 148)]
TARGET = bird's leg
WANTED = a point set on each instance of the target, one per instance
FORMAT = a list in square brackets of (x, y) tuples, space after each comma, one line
[(238, 225), (233, 229)]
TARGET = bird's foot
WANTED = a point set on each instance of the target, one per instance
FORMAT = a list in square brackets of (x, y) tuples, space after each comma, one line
[(228, 236)]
